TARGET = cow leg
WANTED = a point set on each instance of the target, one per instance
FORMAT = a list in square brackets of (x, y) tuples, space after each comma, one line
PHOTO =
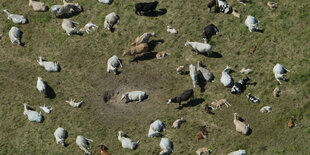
[(180, 105)]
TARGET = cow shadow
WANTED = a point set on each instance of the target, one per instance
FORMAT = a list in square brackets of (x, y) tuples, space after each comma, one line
[(145, 56), (194, 102), (152, 44), (59, 68), (68, 15), (155, 13), (201, 82), (50, 93), (259, 30), (213, 55)]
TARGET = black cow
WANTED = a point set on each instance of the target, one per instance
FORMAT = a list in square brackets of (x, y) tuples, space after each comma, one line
[(209, 31), (211, 4), (187, 94), (145, 7)]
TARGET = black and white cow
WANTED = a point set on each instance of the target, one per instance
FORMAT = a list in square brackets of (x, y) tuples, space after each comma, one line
[(252, 98), (240, 86)]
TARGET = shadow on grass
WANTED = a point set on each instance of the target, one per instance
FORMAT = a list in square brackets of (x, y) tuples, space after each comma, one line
[(155, 13), (50, 93), (260, 30), (146, 56), (213, 55), (201, 82), (152, 44), (194, 102)]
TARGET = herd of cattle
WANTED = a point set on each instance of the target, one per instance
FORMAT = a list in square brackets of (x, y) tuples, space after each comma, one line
[(140, 46)]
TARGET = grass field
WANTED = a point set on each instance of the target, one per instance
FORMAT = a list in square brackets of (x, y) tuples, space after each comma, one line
[(83, 76)]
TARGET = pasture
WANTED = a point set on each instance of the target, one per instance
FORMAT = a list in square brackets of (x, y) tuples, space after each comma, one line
[(83, 61)]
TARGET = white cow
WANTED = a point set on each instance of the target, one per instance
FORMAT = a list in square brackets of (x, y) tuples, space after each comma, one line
[(252, 23), (155, 128), (226, 79), (193, 74), (60, 135), (15, 35), (239, 152), (69, 27), (206, 74), (110, 20), (127, 143), (134, 96), (83, 143), (33, 116), (46, 109), (279, 72), (41, 86), (66, 8), (37, 6), (113, 63), (17, 19), (266, 109), (48, 65), (200, 47), (171, 30), (166, 146), (105, 1)]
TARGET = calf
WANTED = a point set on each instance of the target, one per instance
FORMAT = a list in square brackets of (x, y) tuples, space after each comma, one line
[(252, 98), (220, 102), (176, 124), (291, 122), (276, 92), (202, 150), (145, 7), (208, 32), (211, 4), (240, 86), (180, 70), (202, 133), (187, 94), (87, 28), (209, 109), (272, 5), (161, 55), (103, 150), (252, 50)]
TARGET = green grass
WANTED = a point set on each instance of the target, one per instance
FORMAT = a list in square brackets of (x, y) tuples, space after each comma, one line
[(83, 76)]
